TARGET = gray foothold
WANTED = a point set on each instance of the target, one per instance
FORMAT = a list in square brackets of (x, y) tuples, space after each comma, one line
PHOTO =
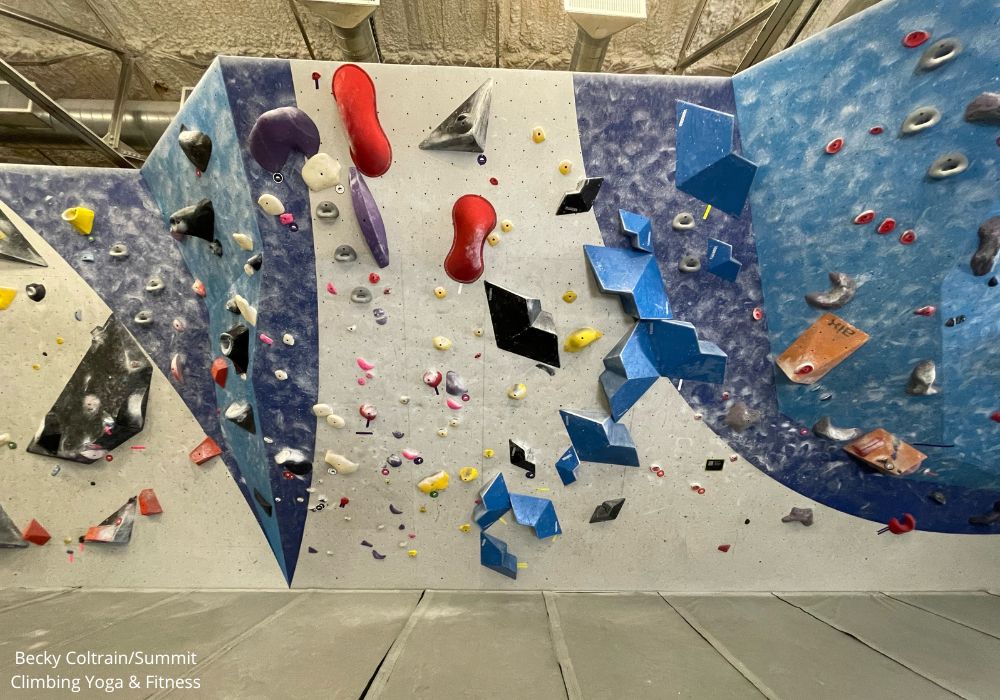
[(825, 428), (947, 165), (799, 515), (683, 221), (739, 417), (394, 461), (938, 497), (940, 52), (118, 250), (922, 378), (689, 263), (454, 384), (380, 316), (398, 434), (919, 119), (144, 317), (327, 210), (87, 257), (155, 284), (842, 290), (985, 256), (984, 109), (345, 253), (360, 295)]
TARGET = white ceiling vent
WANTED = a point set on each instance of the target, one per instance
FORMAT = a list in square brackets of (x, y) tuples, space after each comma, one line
[(346, 14)]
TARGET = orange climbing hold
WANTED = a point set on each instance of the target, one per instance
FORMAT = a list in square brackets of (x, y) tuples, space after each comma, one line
[(885, 452), (149, 504), (220, 371), (820, 348), (205, 451), (36, 534)]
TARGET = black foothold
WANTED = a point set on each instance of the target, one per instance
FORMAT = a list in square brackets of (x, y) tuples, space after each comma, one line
[(197, 146), (197, 220), (523, 457), (216, 248), (987, 518), (311, 550), (35, 291), (263, 503), (235, 344), (241, 413), (254, 263), (521, 327), (582, 198), (993, 282), (714, 465), (608, 510), (938, 497)]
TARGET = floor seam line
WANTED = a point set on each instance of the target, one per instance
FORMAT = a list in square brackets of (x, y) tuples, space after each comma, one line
[(726, 655), (233, 642), (570, 681), (23, 603), (379, 680), (877, 651), (943, 617)]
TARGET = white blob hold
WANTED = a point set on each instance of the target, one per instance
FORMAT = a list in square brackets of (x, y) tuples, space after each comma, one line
[(442, 432), (404, 399), (352, 328), (288, 339), (287, 454), (243, 241), (321, 171), (340, 463), (454, 422), (321, 410), (269, 441), (271, 204), (281, 374), (246, 310), (335, 421)]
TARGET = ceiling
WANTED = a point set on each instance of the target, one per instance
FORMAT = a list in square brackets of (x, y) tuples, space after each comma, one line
[(174, 42)]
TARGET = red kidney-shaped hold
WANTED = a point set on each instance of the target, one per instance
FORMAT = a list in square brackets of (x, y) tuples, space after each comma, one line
[(474, 218), (898, 528), (886, 226), (354, 92)]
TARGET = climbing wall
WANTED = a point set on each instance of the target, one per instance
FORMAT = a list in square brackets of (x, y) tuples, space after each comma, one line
[(470, 328)]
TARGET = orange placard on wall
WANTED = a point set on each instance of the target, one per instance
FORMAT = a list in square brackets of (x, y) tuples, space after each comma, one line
[(820, 348), (882, 450)]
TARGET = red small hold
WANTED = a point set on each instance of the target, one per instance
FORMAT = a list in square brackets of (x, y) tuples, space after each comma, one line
[(316, 75), (908, 236), (886, 226), (344, 501), (660, 472), (494, 181), (834, 145), (898, 528), (109, 458), (220, 371), (288, 475), (36, 534), (205, 451), (915, 38), (374, 278), (478, 355), (865, 217), (804, 369), (149, 504), (757, 313), (197, 173), (925, 311), (876, 130), (995, 416), (724, 547)]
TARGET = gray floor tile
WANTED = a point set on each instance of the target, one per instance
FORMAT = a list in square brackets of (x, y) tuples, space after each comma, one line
[(980, 611)]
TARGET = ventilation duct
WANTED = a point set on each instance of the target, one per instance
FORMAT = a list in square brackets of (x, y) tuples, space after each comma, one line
[(597, 22), (350, 20)]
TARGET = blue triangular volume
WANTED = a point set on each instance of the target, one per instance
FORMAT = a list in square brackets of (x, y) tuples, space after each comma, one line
[(493, 554), (707, 165), (634, 276), (637, 227), (538, 513), (721, 262), (597, 438)]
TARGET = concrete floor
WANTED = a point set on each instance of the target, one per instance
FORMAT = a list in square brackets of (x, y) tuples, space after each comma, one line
[(447, 644)]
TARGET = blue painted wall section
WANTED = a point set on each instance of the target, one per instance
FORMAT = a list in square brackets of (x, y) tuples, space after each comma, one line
[(175, 184), (287, 301)]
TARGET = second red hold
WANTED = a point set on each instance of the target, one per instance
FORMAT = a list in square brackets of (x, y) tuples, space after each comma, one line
[(474, 218)]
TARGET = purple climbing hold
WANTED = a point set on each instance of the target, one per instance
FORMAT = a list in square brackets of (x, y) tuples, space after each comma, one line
[(369, 218), (278, 132)]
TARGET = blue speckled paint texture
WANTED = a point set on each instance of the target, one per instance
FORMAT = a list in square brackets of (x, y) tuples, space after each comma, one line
[(287, 302), (803, 204), (175, 183)]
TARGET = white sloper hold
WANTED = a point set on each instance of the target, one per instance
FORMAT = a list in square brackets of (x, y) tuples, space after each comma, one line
[(335, 421), (271, 204), (243, 241), (340, 463), (248, 311), (321, 171), (321, 410)]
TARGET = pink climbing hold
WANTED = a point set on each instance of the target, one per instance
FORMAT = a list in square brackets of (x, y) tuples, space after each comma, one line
[(410, 454), (865, 217), (908, 236), (354, 92), (834, 146), (330, 288), (432, 378), (454, 405), (473, 218), (757, 313), (915, 38), (368, 411), (361, 381), (925, 311), (286, 218), (364, 364), (266, 339), (886, 226)]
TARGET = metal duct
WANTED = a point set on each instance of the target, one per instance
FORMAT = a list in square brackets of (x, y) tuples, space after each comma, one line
[(588, 52), (144, 122), (598, 21), (358, 43)]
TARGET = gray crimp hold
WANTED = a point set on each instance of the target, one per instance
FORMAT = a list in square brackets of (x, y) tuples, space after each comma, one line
[(919, 119), (940, 52), (454, 384), (10, 535), (360, 295), (842, 290), (15, 247), (689, 263), (985, 256), (327, 210), (739, 417), (683, 222), (947, 165), (197, 146), (345, 253), (825, 428), (984, 109), (465, 128), (799, 515), (922, 378)]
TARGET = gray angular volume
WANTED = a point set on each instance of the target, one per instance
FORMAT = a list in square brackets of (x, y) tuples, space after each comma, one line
[(14, 247), (10, 536), (465, 128)]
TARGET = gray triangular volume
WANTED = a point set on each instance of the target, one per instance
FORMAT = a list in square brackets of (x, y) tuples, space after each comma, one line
[(465, 128), (14, 246), (10, 536)]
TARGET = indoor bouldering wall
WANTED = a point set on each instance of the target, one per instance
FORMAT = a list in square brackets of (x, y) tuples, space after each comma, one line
[(473, 328)]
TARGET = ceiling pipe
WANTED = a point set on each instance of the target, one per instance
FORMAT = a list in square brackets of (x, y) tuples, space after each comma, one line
[(352, 25), (597, 21)]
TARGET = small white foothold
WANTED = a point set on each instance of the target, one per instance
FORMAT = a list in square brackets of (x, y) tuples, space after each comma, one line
[(442, 432), (321, 171), (269, 441), (243, 241), (341, 463), (404, 399), (281, 375), (352, 328), (321, 410), (335, 421), (454, 422), (380, 527), (271, 204), (288, 339)]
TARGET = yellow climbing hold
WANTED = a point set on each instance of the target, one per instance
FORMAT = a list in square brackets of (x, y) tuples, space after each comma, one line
[(411, 553), (468, 473), (465, 527), (59, 341), (517, 392), (435, 482), (36, 366), (581, 338), (81, 218), (506, 226), (493, 239), (3, 236), (441, 343), (440, 292), (522, 565), (423, 509), (478, 332), (569, 296), (565, 167), (538, 134), (7, 295), (488, 453)]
